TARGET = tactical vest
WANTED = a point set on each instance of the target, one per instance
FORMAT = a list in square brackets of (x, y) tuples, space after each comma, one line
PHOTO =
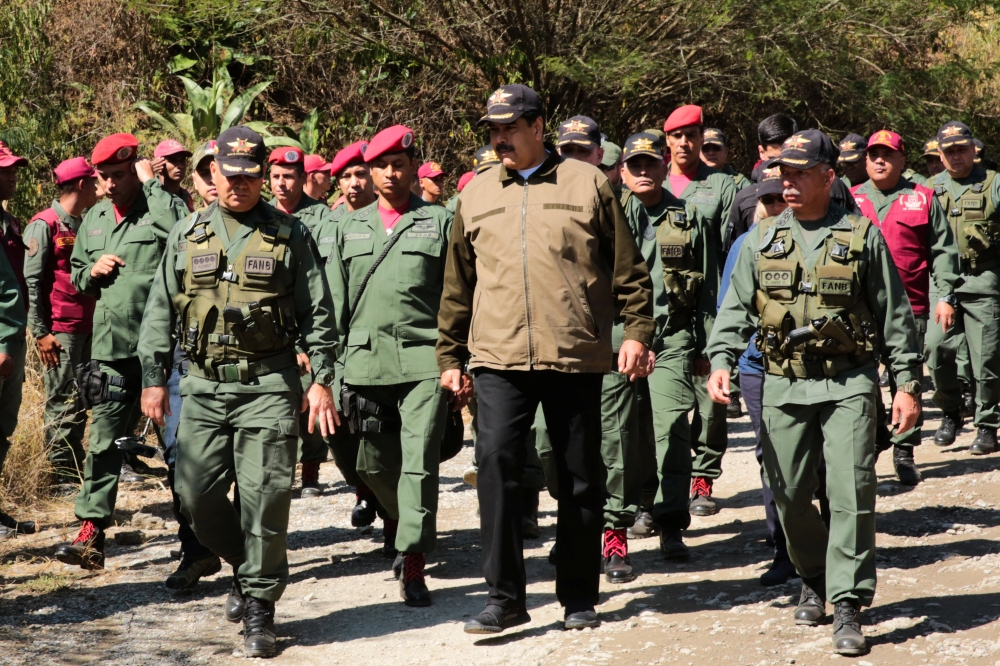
[(71, 311), (813, 323), (973, 219), (236, 320)]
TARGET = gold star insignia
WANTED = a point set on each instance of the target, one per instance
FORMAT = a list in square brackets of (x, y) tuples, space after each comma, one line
[(796, 141), (932, 144), (242, 146), (772, 173), (951, 131), (498, 97), (848, 145), (642, 144), (575, 127)]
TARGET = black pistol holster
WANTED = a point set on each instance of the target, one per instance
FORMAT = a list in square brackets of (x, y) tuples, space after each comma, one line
[(94, 386), (359, 412)]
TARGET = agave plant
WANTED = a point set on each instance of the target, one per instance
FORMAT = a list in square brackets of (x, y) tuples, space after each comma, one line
[(210, 111)]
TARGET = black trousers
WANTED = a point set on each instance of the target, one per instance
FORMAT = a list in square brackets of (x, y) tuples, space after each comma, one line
[(508, 400)]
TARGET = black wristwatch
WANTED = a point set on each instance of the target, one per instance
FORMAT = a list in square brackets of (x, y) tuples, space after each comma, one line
[(949, 299)]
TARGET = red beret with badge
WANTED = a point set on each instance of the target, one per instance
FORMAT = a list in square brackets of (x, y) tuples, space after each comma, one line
[(115, 149), (287, 156), (73, 169), (8, 158), (315, 163), (685, 116), (348, 156), (391, 140)]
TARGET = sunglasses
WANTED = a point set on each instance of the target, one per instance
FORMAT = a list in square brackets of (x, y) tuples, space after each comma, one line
[(771, 199)]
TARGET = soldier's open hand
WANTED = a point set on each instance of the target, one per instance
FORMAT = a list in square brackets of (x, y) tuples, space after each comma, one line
[(905, 411), (944, 314), (319, 401), (718, 387), (155, 403), (106, 264), (48, 350)]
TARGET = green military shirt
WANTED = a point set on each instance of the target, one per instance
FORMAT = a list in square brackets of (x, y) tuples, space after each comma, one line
[(139, 240), (914, 177), (711, 193), (940, 241), (886, 299), (739, 179), (13, 318), (391, 337), (644, 222), (311, 211), (313, 308), (988, 282), (36, 268)]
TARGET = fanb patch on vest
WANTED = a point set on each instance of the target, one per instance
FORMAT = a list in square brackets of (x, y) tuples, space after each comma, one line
[(204, 263), (834, 286), (672, 251), (777, 278), (974, 204), (259, 266)]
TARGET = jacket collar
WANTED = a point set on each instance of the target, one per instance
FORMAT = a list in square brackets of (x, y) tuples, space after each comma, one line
[(552, 160)]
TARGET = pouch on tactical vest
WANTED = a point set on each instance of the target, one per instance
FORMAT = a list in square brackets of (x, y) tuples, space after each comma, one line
[(973, 219), (813, 324), (681, 276)]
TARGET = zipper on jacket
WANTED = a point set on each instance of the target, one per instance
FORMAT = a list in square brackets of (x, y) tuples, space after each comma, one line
[(524, 263)]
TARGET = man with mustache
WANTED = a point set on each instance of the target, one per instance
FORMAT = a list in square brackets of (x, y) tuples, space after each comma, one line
[(922, 245), (822, 293), (970, 196)]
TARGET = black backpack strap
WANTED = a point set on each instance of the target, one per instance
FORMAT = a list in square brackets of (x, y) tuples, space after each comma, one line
[(371, 271)]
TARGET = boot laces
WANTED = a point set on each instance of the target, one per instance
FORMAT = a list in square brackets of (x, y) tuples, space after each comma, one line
[(615, 543), (88, 532), (310, 472), (256, 616), (413, 568), (700, 486), (846, 614)]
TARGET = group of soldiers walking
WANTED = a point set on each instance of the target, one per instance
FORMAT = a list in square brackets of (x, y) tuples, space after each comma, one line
[(599, 309)]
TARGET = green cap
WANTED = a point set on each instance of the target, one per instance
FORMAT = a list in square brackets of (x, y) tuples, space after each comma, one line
[(205, 150), (660, 136), (612, 155)]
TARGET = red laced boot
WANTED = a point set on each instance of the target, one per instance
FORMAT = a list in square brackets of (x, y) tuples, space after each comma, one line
[(412, 588), (310, 480), (702, 503), (617, 566), (87, 549)]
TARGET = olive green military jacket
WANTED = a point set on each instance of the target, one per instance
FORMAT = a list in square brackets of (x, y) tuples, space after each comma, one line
[(312, 212), (644, 222), (711, 193), (313, 307), (13, 317), (391, 336), (986, 283), (885, 296), (914, 177), (739, 179), (139, 240)]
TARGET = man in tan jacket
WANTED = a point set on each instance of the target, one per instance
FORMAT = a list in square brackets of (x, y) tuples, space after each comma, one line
[(541, 264)]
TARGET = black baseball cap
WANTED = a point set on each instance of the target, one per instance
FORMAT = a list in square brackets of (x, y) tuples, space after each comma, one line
[(806, 149), (579, 131), (240, 152), (980, 150), (510, 102), (954, 133), (770, 181), (852, 148), (642, 143), (485, 158), (931, 147), (713, 136)]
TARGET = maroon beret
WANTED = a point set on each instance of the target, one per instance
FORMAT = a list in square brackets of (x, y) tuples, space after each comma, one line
[(352, 154), (73, 169), (114, 149), (395, 139), (684, 116)]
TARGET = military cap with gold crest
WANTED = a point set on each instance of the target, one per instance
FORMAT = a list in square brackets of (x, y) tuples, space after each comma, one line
[(954, 133), (510, 102), (930, 148), (579, 131), (713, 136), (642, 143), (240, 152), (484, 158), (806, 149), (852, 148)]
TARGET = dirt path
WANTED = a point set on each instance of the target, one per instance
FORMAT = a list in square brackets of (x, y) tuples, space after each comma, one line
[(938, 598)]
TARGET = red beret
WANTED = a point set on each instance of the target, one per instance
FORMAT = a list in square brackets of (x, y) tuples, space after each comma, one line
[(464, 180), (73, 169), (170, 147), (7, 158), (114, 149), (314, 163), (684, 116), (287, 155), (395, 139), (430, 170), (347, 156)]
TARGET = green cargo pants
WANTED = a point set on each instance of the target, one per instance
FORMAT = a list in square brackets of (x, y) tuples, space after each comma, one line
[(911, 437), (250, 439), (976, 319), (709, 433), (10, 402), (619, 441), (401, 466), (108, 421), (64, 424), (794, 439)]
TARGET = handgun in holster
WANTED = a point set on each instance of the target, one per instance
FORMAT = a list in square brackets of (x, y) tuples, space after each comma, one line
[(358, 412), (94, 386)]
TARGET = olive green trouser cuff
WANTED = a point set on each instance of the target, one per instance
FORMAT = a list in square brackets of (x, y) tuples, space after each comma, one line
[(108, 421), (619, 441), (401, 466), (794, 438), (709, 433), (64, 423), (250, 439)]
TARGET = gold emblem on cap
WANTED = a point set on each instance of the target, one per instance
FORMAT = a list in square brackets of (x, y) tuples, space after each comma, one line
[(574, 126), (642, 143), (848, 145), (498, 97), (435, 166), (883, 137), (242, 147), (772, 174), (951, 131), (932, 144), (796, 142)]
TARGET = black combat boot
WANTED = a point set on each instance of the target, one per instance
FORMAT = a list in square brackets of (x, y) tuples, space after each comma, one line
[(412, 587), (847, 636), (780, 571), (672, 546), (946, 432), (968, 404), (985, 442), (495, 619), (812, 602), (644, 526), (389, 527), (702, 503), (87, 549), (310, 480), (16, 526), (734, 410), (235, 602), (617, 565), (190, 571), (529, 516), (906, 469), (259, 639), (365, 508)]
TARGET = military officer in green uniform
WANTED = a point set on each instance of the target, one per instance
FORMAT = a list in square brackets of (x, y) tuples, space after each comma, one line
[(851, 160), (244, 284), (970, 197), (386, 272), (288, 181), (711, 193), (823, 294), (117, 249), (715, 153)]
